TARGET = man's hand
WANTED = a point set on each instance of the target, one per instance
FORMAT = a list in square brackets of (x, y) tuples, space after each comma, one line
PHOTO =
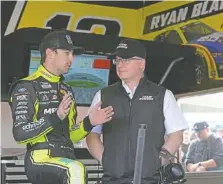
[(192, 167), (201, 169), (99, 116), (64, 107), (197, 168)]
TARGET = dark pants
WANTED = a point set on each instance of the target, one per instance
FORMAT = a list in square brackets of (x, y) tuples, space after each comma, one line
[(128, 181)]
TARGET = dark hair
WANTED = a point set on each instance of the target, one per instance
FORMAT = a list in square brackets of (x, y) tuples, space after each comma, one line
[(43, 56)]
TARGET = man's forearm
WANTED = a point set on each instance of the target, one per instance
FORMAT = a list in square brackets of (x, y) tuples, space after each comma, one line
[(205, 164), (173, 142), (95, 145)]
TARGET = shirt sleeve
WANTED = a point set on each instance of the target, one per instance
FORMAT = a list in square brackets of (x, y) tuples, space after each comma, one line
[(174, 118), (78, 130), (97, 98), (24, 106), (218, 151), (190, 155)]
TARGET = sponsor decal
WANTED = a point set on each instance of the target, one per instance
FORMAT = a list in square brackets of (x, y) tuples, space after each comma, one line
[(53, 91), (146, 98), (21, 107), (45, 85), (54, 101), (21, 112), (22, 103), (122, 45), (54, 97), (19, 123), (21, 90), (33, 125), (45, 103), (49, 110), (44, 98), (20, 117), (22, 97), (44, 92), (215, 37), (76, 126), (69, 39), (46, 74)]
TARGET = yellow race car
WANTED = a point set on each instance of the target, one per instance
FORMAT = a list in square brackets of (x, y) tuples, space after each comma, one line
[(209, 44)]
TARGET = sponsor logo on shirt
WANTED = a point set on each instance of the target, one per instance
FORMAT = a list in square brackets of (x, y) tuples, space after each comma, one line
[(22, 97)]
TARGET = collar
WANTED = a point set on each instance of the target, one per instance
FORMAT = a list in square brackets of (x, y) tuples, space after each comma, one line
[(128, 90), (140, 84), (47, 75)]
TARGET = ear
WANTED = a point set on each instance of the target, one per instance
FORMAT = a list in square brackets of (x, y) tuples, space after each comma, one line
[(49, 53), (142, 65)]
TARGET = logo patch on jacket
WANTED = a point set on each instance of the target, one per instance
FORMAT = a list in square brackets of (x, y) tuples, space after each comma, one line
[(146, 98), (45, 85)]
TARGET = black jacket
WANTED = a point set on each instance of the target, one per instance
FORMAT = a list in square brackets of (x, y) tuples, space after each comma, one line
[(34, 101)]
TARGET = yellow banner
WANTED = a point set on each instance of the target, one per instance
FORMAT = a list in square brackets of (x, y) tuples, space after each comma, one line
[(144, 23)]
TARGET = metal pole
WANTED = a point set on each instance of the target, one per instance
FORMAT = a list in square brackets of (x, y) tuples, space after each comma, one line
[(139, 153)]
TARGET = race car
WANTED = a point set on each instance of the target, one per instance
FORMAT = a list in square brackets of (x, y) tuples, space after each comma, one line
[(209, 44)]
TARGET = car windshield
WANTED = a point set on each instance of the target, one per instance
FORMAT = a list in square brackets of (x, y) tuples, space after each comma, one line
[(196, 30)]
